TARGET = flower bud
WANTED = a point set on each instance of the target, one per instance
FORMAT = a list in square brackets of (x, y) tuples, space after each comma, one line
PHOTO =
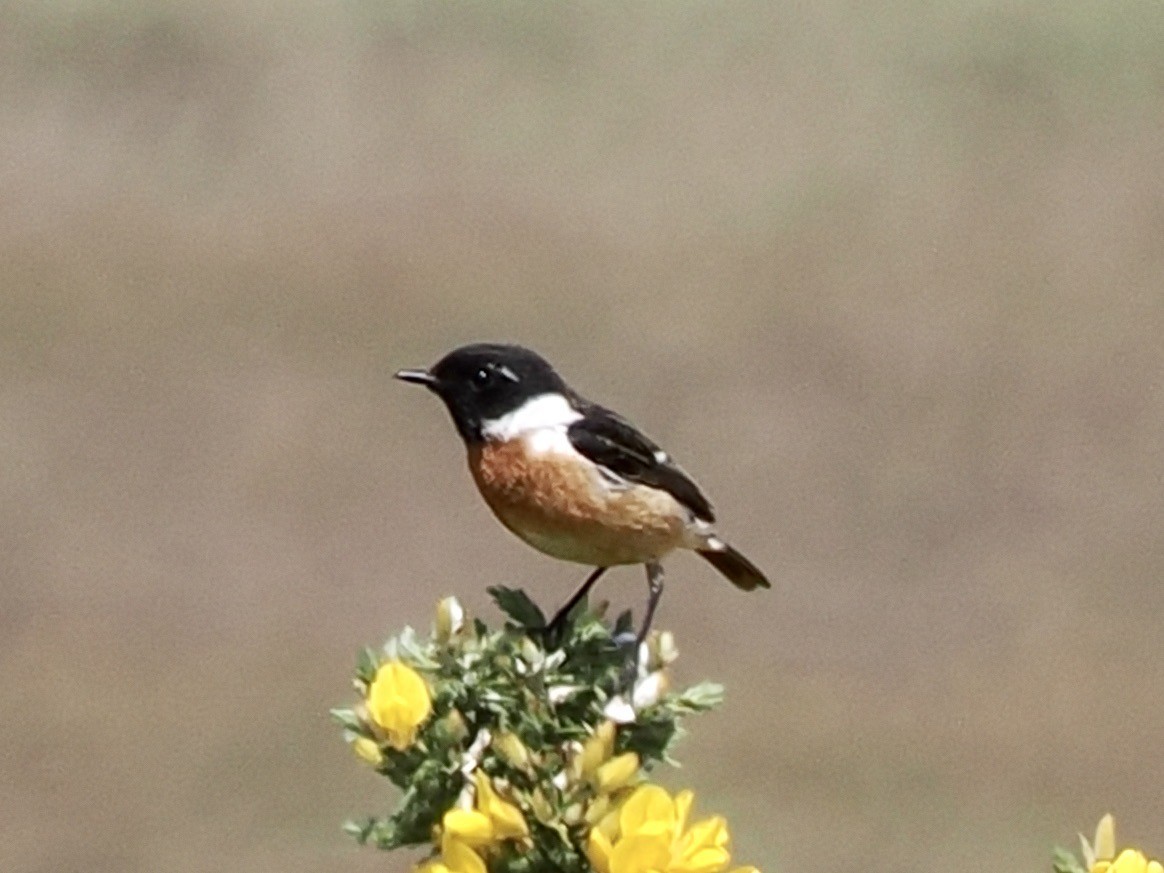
[(663, 649), (597, 809), (561, 693), (450, 619), (367, 750), (616, 772), (454, 724), (532, 654), (650, 690), (1105, 845), (513, 750), (542, 809), (597, 749), (619, 710), (572, 814)]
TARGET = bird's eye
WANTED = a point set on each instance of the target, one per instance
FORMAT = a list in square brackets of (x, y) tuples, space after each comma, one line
[(483, 378)]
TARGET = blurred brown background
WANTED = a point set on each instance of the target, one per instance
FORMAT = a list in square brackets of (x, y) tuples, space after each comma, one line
[(888, 278)]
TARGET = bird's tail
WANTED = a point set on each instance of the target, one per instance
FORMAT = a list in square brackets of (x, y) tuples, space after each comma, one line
[(739, 570)]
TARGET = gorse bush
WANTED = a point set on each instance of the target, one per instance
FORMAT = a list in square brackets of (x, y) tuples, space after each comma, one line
[(514, 755)]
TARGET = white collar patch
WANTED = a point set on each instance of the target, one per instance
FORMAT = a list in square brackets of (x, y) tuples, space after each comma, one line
[(546, 411)]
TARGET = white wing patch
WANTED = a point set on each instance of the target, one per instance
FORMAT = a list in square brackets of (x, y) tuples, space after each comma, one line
[(661, 457)]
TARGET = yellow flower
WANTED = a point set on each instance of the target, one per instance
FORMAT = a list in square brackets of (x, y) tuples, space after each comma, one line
[(616, 773), (456, 857), (597, 749), (488, 823), (649, 834), (398, 702), (651, 810), (641, 853), (469, 826), (508, 822), (598, 849), (1101, 856), (1130, 861), (367, 750)]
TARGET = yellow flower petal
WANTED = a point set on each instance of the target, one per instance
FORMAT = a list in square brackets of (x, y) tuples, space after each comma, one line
[(398, 701), (705, 860), (1130, 861), (709, 833), (649, 805), (484, 787), (683, 801), (1155, 867), (469, 826), (598, 849), (597, 749), (616, 772), (508, 822), (744, 870), (460, 858), (608, 824), (641, 854), (597, 810)]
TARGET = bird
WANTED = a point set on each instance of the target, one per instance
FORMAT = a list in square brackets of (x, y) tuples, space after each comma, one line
[(571, 478)]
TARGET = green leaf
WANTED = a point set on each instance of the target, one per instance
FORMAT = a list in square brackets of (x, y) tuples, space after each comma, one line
[(516, 604), (361, 830), (701, 697), (347, 718), (366, 664), (1065, 862)]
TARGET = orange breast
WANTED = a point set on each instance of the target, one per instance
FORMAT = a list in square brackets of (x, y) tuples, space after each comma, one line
[(556, 502)]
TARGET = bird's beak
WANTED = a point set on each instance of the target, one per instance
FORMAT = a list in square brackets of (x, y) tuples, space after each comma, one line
[(418, 377)]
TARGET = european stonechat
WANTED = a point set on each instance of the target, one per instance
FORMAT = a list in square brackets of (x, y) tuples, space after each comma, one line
[(572, 478)]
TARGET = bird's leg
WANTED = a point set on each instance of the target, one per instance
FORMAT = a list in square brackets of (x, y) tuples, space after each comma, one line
[(559, 619), (655, 592)]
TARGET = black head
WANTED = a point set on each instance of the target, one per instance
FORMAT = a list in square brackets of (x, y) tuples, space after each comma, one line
[(484, 381)]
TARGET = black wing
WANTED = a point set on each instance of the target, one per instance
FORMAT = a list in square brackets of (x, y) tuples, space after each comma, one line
[(610, 441)]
